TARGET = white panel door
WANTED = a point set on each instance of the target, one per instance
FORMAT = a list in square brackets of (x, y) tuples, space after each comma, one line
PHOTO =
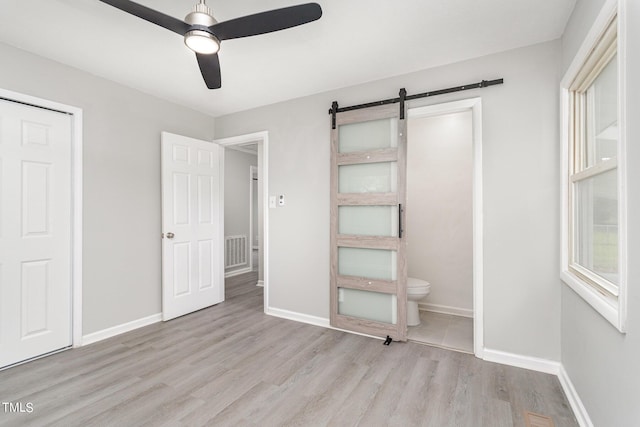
[(192, 263), (35, 232)]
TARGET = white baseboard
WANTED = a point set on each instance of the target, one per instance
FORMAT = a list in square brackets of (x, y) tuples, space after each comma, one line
[(237, 272), (311, 320), (548, 367), (445, 309), (527, 362), (574, 400), (298, 317), (120, 329), (260, 283)]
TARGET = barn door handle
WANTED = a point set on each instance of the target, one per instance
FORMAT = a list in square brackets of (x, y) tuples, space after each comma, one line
[(400, 220)]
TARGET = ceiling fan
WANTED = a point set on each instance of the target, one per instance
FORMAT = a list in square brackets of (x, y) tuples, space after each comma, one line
[(203, 34)]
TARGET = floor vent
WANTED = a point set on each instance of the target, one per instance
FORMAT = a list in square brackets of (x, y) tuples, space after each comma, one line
[(537, 420), (235, 251)]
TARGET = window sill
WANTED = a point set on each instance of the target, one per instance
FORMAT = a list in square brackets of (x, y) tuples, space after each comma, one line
[(607, 305)]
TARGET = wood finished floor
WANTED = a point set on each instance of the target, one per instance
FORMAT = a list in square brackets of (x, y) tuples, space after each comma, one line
[(232, 365)]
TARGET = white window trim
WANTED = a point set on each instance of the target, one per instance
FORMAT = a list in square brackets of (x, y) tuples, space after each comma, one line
[(611, 307)]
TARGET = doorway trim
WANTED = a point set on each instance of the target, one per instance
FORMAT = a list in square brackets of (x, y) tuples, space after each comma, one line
[(260, 138), (253, 170), (475, 105), (76, 200)]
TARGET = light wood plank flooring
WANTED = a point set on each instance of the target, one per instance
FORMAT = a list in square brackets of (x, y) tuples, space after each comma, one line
[(232, 365)]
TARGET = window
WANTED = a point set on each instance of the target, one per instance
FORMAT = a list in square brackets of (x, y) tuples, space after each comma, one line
[(593, 223)]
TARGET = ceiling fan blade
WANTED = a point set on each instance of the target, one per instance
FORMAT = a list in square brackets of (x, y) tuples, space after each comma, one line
[(267, 22), (153, 16), (210, 69)]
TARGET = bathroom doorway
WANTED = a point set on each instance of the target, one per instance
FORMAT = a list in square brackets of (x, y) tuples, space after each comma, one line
[(442, 220)]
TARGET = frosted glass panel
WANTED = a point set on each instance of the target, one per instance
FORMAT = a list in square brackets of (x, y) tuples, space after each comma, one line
[(368, 178), (366, 136), (369, 263), (368, 220), (596, 222), (368, 305)]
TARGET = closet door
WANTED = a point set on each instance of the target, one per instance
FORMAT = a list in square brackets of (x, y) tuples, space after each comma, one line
[(35, 232), (368, 188)]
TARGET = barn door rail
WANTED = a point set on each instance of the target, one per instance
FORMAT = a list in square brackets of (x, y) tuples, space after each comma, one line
[(403, 97)]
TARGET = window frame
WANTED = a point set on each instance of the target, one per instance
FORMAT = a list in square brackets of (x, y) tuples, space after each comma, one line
[(602, 43)]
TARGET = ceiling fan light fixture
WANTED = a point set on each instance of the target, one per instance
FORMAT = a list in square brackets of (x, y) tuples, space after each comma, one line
[(202, 32), (202, 42)]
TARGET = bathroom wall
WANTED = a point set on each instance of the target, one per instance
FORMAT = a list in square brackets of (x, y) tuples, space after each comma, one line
[(439, 228), (236, 196), (521, 192), (601, 362)]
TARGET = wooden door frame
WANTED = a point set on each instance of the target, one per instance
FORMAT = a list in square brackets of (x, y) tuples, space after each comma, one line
[(475, 106), (76, 199), (260, 138)]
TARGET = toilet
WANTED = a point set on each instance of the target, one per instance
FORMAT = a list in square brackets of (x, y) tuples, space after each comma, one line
[(416, 290)]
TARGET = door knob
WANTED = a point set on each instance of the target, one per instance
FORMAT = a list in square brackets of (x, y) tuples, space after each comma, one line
[(170, 235)]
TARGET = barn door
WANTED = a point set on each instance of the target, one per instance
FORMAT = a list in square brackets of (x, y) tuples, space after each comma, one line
[(368, 188)]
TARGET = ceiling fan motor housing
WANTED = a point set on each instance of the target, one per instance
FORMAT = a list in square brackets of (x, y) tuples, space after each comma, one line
[(201, 15)]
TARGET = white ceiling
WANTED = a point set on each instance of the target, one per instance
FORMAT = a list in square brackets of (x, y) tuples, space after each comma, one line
[(355, 41)]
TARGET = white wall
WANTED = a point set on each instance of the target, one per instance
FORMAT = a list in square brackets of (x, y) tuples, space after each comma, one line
[(521, 163), (236, 196), (121, 208), (601, 362), (439, 214)]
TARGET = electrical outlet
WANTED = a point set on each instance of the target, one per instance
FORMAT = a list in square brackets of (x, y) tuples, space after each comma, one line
[(281, 200)]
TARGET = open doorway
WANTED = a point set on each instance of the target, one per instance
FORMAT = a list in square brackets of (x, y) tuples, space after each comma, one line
[(245, 229), (239, 162), (444, 223)]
